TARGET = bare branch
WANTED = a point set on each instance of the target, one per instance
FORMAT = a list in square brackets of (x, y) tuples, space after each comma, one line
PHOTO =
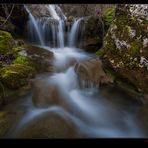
[(8, 16)]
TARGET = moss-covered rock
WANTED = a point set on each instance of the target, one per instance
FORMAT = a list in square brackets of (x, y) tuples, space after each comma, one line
[(6, 42), (22, 60), (16, 75), (41, 58), (126, 43)]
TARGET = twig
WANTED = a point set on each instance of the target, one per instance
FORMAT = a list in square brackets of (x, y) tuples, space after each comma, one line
[(8, 16)]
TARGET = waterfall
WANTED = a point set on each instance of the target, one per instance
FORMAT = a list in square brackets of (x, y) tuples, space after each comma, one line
[(60, 34), (92, 114), (47, 31), (33, 27), (74, 32)]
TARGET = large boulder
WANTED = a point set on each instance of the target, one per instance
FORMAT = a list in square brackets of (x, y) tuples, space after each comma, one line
[(91, 72), (48, 125), (126, 43)]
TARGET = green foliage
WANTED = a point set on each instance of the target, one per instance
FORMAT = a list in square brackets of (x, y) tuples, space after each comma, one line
[(108, 16), (6, 42)]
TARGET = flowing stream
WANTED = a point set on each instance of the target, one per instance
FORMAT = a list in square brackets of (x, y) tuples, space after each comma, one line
[(92, 114)]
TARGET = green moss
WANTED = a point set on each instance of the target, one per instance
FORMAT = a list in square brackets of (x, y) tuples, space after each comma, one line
[(6, 42), (16, 75), (17, 49), (100, 52), (22, 60), (135, 47)]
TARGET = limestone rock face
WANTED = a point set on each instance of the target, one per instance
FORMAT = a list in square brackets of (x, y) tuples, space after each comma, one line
[(91, 72), (126, 44)]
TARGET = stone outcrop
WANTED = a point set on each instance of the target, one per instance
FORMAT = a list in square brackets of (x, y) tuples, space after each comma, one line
[(126, 44)]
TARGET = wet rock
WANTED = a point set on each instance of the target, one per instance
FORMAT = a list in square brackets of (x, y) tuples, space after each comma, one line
[(41, 58), (44, 94), (63, 66), (47, 93), (91, 71), (125, 45), (48, 125)]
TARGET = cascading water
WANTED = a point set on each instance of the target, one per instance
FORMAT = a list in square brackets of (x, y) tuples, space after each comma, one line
[(74, 32), (33, 28), (60, 34), (93, 115), (49, 31)]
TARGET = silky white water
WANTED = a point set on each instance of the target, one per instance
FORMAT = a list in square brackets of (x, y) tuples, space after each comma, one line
[(74, 32)]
